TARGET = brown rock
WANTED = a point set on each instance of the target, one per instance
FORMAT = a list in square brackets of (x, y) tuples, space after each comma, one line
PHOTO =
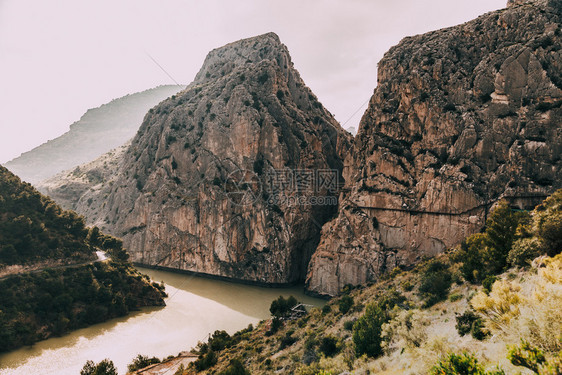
[(461, 117), (192, 191)]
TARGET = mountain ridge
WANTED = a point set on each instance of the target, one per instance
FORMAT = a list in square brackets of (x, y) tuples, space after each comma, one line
[(97, 131)]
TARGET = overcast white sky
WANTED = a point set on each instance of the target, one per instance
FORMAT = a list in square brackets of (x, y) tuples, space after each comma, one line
[(58, 58)]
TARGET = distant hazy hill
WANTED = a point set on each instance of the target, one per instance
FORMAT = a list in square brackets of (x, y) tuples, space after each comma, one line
[(98, 131)]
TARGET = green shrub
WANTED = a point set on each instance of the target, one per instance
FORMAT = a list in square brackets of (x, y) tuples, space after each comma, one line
[(235, 368), (206, 361), (461, 364), (435, 282), (276, 323), (345, 304), (140, 362), (281, 307), (471, 322), (326, 309), (219, 341), (329, 346), (471, 255), (455, 297), (408, 286), (523, 251), (287, 341), (105, 367), (501, 229), (487, 253), (348, 325), (367, 330), (526, 356), (548, 223), (550, 230), (488, 282)]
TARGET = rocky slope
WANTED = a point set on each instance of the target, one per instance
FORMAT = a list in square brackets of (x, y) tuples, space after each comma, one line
[(207, 183), (98, 131), (460, 118), (79, 187)]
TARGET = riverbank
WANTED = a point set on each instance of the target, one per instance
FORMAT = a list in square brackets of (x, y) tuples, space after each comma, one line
[(195, 307)]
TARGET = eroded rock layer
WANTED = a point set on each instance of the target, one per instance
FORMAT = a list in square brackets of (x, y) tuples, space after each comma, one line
[(461, 117)]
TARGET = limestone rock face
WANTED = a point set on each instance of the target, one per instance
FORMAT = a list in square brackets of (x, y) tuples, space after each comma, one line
[(80, 188), (461, 117), (192, 191)]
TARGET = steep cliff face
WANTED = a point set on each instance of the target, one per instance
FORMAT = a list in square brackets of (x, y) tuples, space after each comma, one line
[(98, 131), (210, 182), (461, 117)]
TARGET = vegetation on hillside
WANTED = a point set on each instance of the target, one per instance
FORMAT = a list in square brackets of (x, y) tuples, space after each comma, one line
[(36, 306), (489, 307), (34, 228), (141, 361), (105, 367), (77, 292)]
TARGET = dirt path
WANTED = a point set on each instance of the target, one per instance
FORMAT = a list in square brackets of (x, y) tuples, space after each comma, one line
[(15, 270)]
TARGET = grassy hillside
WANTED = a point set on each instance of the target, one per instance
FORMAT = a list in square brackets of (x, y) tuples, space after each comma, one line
[(489, 306), (67, 289)]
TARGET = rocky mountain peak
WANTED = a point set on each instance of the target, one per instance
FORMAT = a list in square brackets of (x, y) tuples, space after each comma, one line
[(209, 183), (244, 53)]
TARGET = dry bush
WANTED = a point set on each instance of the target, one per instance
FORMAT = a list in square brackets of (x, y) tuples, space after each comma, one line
[(406, 330), (501, 306), (540, 321), (530, 310)]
